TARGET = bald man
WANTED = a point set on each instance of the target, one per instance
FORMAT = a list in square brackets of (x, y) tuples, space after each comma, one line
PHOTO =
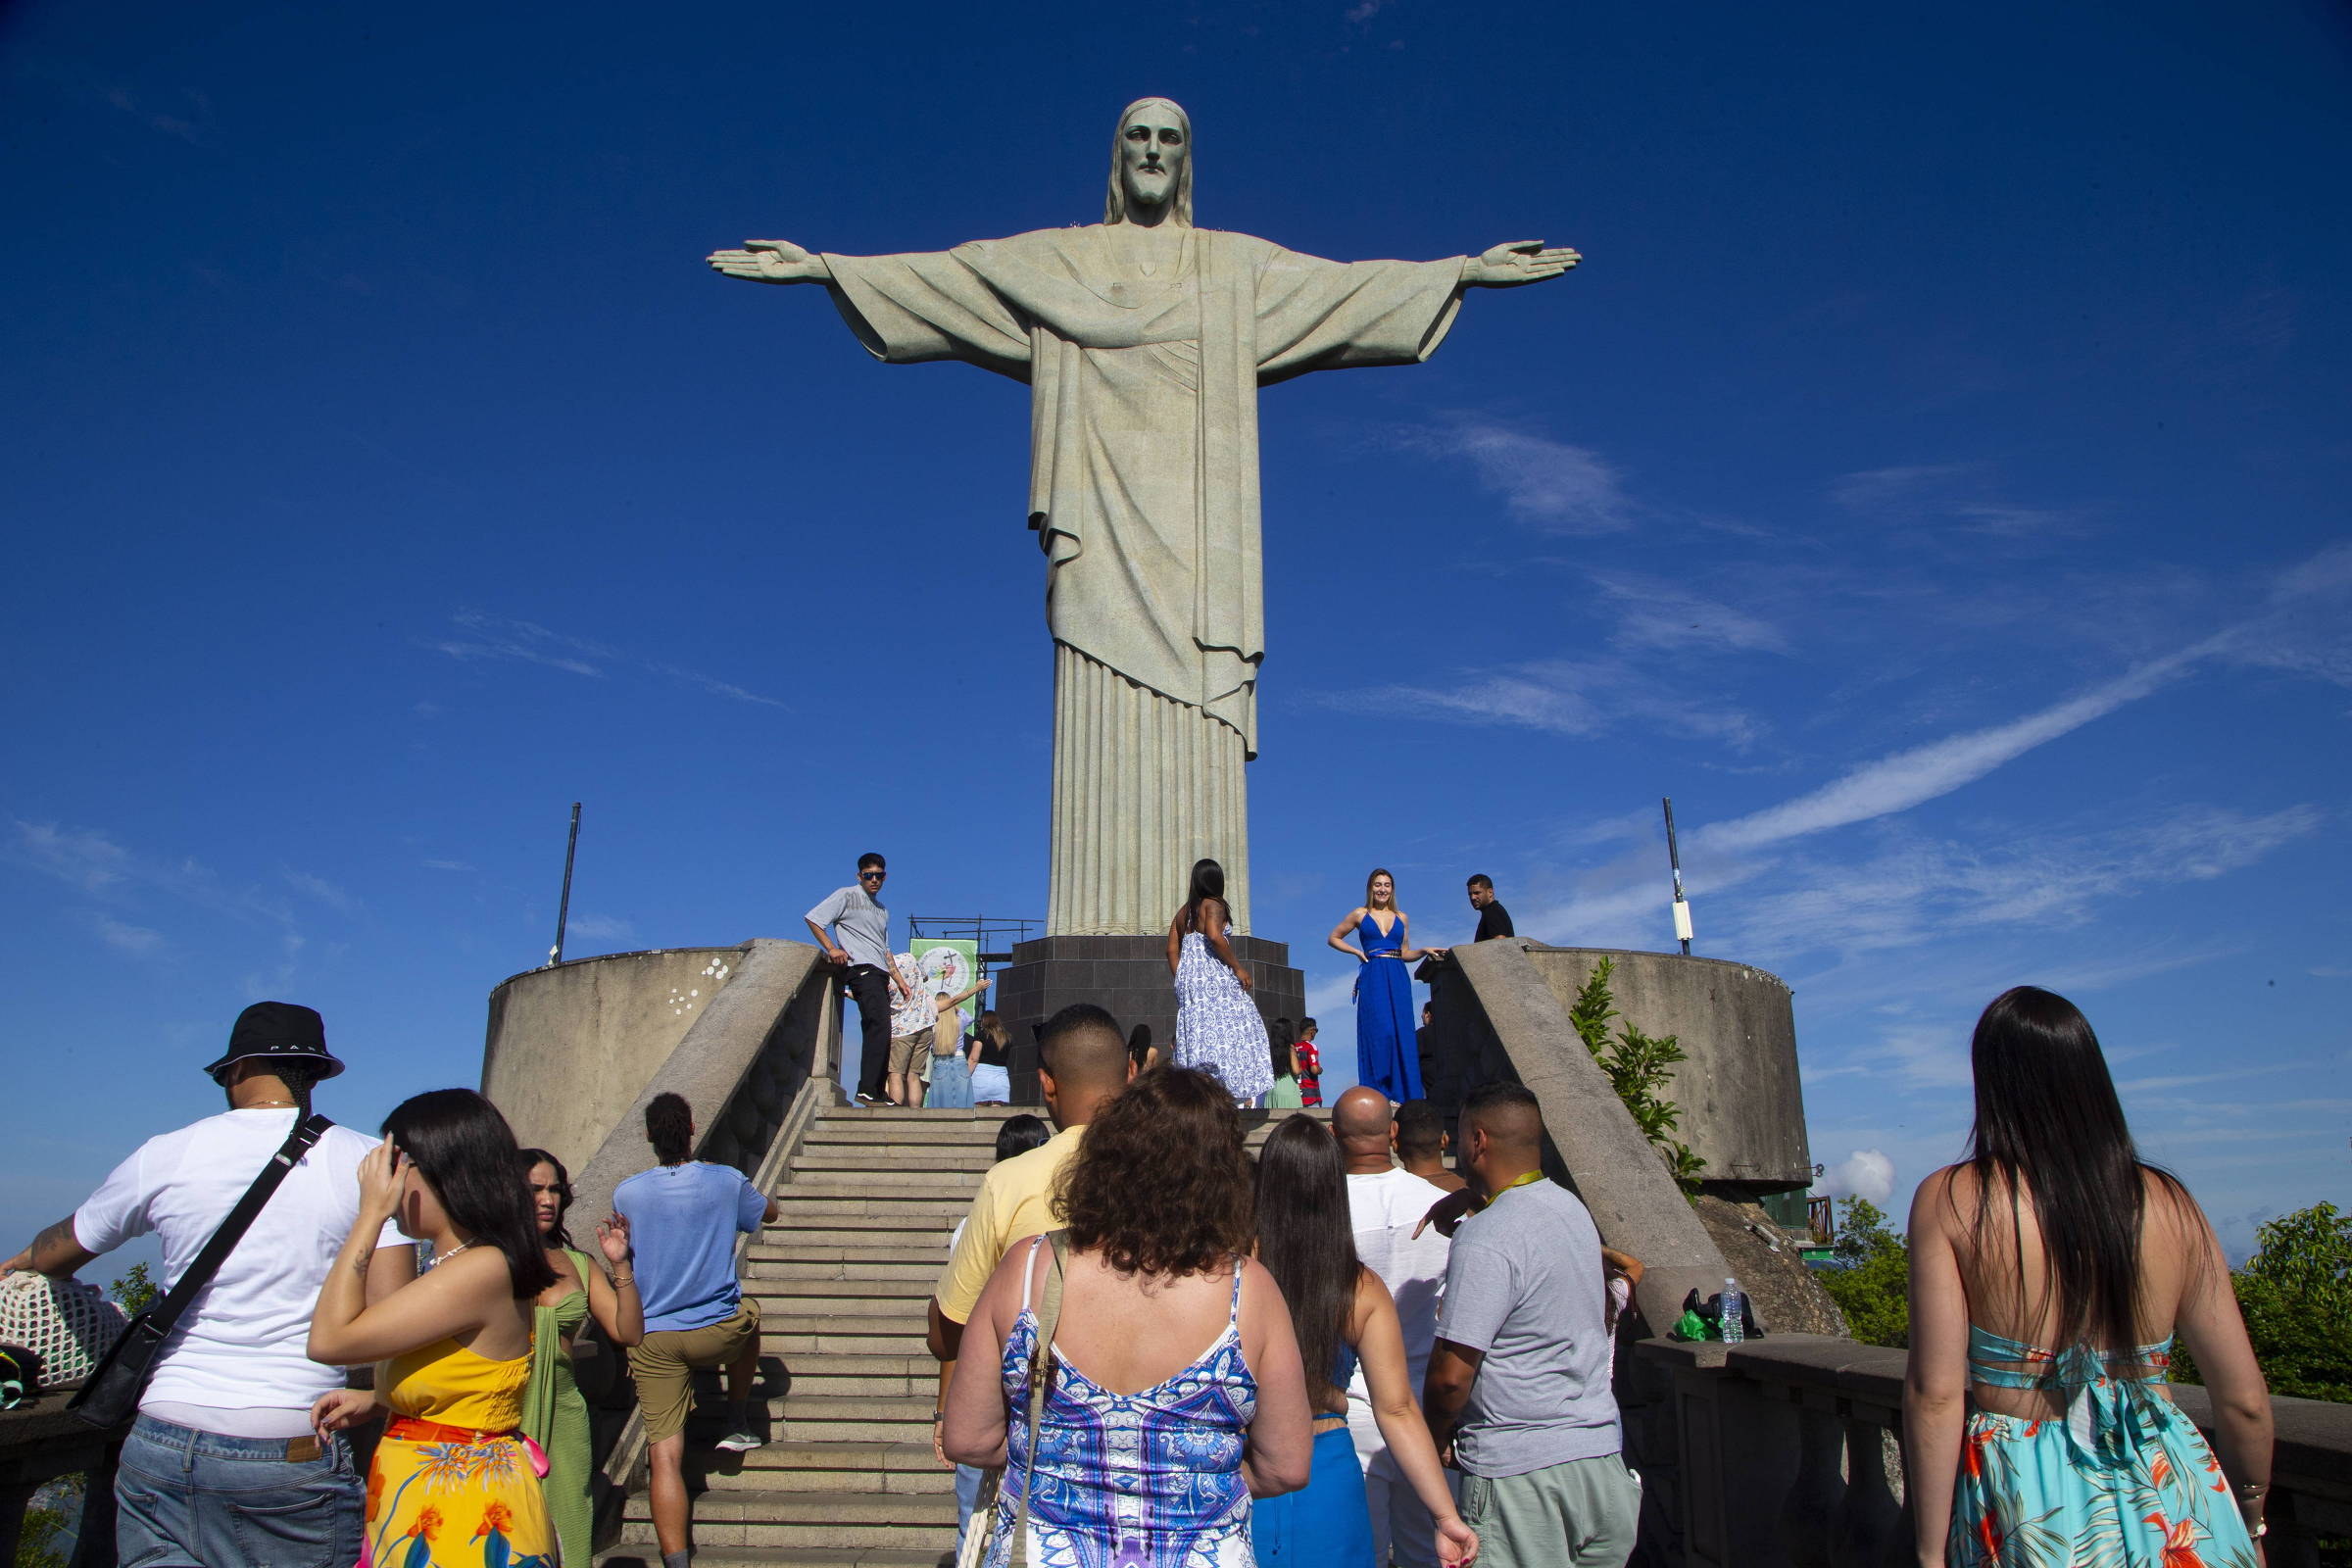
[(1517, 1393), (1385, 1205), (1082, 1066)]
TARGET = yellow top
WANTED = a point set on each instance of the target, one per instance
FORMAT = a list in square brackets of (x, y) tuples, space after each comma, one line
[(1016, 1200), (446, 1382)]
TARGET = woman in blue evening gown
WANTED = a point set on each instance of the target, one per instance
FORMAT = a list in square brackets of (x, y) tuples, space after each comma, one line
[(1386, 1056)]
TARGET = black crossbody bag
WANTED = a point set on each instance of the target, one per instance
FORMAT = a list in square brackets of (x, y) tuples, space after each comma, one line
[(111, 1395)]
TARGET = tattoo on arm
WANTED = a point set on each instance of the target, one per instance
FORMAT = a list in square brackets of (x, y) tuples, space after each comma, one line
[(359, 1265), (60, 1233)]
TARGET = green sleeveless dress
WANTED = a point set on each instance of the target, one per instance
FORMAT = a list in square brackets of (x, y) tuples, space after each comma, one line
[(556, 1417)]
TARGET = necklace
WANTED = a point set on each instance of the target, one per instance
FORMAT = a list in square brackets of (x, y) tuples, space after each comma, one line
[(440, 1258), (268, 1104)]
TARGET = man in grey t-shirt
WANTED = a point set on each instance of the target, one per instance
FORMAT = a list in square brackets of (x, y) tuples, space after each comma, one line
[(862, 950), (1517, 1393)]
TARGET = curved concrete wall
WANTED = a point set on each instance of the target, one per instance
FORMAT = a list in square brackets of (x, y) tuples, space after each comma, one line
[(1743, 1110), (570, 1047)]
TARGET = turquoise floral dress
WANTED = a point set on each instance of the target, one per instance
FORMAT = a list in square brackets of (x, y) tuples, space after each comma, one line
[(2121, 1479)]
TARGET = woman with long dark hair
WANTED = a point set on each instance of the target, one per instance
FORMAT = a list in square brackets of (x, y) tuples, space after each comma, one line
[(2050, 1272), (454, 1466), (1147, 1451), (1343, 1315), (1219, 1030), (554, 1415), (1386, 1054)]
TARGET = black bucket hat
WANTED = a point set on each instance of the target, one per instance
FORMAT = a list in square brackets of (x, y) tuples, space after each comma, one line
[(282, 1031)]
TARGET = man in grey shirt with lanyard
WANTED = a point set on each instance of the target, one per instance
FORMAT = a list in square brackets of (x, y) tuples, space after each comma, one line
[(1517, 1393), (859, 943)]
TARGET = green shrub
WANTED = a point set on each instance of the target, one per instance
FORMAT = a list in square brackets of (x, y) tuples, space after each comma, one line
[(1870, 1277), (2296, 1294), (1639, 1069)]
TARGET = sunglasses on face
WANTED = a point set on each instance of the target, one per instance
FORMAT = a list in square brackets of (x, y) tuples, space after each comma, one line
[(871, 877)]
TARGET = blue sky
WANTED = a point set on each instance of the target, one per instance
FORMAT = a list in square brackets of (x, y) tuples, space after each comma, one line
[(1933, 479)]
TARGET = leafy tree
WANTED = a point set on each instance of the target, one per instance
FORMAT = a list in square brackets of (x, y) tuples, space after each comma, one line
[(2296, 1294), (134, 1290), (1639, 1069), (1870, 1277)]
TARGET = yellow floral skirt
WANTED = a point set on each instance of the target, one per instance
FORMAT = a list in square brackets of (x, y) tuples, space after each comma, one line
[(436, 1504)]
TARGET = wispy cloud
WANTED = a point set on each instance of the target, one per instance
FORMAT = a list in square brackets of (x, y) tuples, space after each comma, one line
[(1662, 614), (96, 865), (714, 686), (1914, 891), (1564, 697), (1542, 482), (496, 637), (1903, 780), (598, 928), (78, 857), (447, 865), (1959, 496), (493, 637), (187, 126), (125, 937), (325, 892)]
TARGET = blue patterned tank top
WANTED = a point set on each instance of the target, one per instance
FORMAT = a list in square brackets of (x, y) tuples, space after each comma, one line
[(1144, 1479)]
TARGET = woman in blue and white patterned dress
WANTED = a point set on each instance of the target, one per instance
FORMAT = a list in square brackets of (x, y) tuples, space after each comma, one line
[(1218, 1028)]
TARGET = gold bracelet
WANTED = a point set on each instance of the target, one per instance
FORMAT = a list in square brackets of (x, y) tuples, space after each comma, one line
[(620, 1284)]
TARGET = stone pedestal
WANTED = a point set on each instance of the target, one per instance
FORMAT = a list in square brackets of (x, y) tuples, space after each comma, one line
[(1128, 978)]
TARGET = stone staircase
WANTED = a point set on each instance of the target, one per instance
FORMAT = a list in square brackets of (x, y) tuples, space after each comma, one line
[(847, 1479)]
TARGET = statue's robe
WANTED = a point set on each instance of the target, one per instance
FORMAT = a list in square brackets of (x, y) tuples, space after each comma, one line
[(1143, 492)]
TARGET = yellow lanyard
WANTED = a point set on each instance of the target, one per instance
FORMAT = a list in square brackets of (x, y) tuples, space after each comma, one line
[(1530, 1176)]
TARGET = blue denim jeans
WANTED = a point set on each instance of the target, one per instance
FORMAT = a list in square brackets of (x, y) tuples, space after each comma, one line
[(951, 1083), (193, 1499)]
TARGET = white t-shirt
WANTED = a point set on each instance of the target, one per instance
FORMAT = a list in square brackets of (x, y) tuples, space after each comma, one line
[(240, 1345), (1383, 1209)]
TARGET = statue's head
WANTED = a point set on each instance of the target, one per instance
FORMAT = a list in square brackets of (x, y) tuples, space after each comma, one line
[(1151, 162)]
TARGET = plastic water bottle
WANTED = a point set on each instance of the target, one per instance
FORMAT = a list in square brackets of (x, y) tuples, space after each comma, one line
[(1734, 1313)]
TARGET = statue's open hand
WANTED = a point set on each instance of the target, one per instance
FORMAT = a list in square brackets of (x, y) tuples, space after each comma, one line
[(771, 260), (1525, 261)]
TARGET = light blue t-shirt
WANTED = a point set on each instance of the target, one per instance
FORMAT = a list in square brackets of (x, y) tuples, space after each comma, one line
[(682, 1226)]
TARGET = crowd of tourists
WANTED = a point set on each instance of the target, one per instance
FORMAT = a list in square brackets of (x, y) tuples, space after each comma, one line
[(1348, 1351), (241, 1450)]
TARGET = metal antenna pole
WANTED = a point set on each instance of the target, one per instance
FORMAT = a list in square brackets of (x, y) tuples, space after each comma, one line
[(555, 954), (1682, 907)]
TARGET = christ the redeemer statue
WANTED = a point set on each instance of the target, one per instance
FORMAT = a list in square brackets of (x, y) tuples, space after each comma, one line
[(1144, 341)]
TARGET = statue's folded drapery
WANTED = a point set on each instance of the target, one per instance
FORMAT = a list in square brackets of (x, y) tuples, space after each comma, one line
[(1144, 491)]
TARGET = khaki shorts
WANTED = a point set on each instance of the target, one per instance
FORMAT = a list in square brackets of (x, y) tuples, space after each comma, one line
[(665, 1362), (905, 1049)]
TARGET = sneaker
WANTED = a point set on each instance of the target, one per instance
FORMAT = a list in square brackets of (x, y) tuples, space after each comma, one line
[(864, 1099), (738, 1442)]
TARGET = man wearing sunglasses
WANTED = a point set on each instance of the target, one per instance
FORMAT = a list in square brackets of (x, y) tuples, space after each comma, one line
[(862, 924)]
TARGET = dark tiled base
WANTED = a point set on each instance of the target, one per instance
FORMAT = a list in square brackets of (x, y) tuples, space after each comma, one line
[(1126, 976)]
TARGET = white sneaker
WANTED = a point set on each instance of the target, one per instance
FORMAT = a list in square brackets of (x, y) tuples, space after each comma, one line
[(738, 1442)]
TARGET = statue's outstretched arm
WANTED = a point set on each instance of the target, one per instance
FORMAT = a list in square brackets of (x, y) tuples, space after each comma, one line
[(771, 260), (1524, 261)]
